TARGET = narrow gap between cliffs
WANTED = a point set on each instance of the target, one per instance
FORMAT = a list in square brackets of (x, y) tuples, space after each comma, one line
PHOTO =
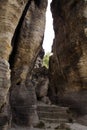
[(14, 42), (48, 36)]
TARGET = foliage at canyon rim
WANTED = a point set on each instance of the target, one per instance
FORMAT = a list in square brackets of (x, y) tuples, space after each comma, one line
[(46, 60)]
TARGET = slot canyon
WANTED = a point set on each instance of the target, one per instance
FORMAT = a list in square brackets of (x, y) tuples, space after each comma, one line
[(29, 90)]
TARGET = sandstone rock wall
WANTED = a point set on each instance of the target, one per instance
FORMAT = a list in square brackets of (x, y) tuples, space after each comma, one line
[(28, 46), (10, 14), (29, 41), (68, 65), (22, 24)]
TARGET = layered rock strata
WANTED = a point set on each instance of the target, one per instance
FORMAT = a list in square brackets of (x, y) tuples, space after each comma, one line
[(68, 65), (23, 97), (21, 22), (10, 14)]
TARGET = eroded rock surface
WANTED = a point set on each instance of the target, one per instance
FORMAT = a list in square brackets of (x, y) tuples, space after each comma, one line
[(40, 78), (28, 46), (68, 65), (22, 24), (10, 14)]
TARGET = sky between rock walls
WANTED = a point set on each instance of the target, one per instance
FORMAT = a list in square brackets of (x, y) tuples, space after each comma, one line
[(49, 33)]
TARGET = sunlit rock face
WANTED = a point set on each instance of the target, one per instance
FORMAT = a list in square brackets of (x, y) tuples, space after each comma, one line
[(10, 13), (22, 24), (68, 65)]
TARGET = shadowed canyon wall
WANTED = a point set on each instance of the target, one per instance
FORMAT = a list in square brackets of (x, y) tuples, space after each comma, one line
[(28, 46), (22, 25), (68, 64)]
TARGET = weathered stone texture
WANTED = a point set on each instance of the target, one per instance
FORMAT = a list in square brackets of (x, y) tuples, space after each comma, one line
[(22, 24), (68, 64), (28, 46), (30, 40), (4, 88), (10, 14), (4, 80)]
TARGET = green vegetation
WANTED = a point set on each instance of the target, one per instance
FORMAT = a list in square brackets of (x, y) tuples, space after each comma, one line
[(46, 60)]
